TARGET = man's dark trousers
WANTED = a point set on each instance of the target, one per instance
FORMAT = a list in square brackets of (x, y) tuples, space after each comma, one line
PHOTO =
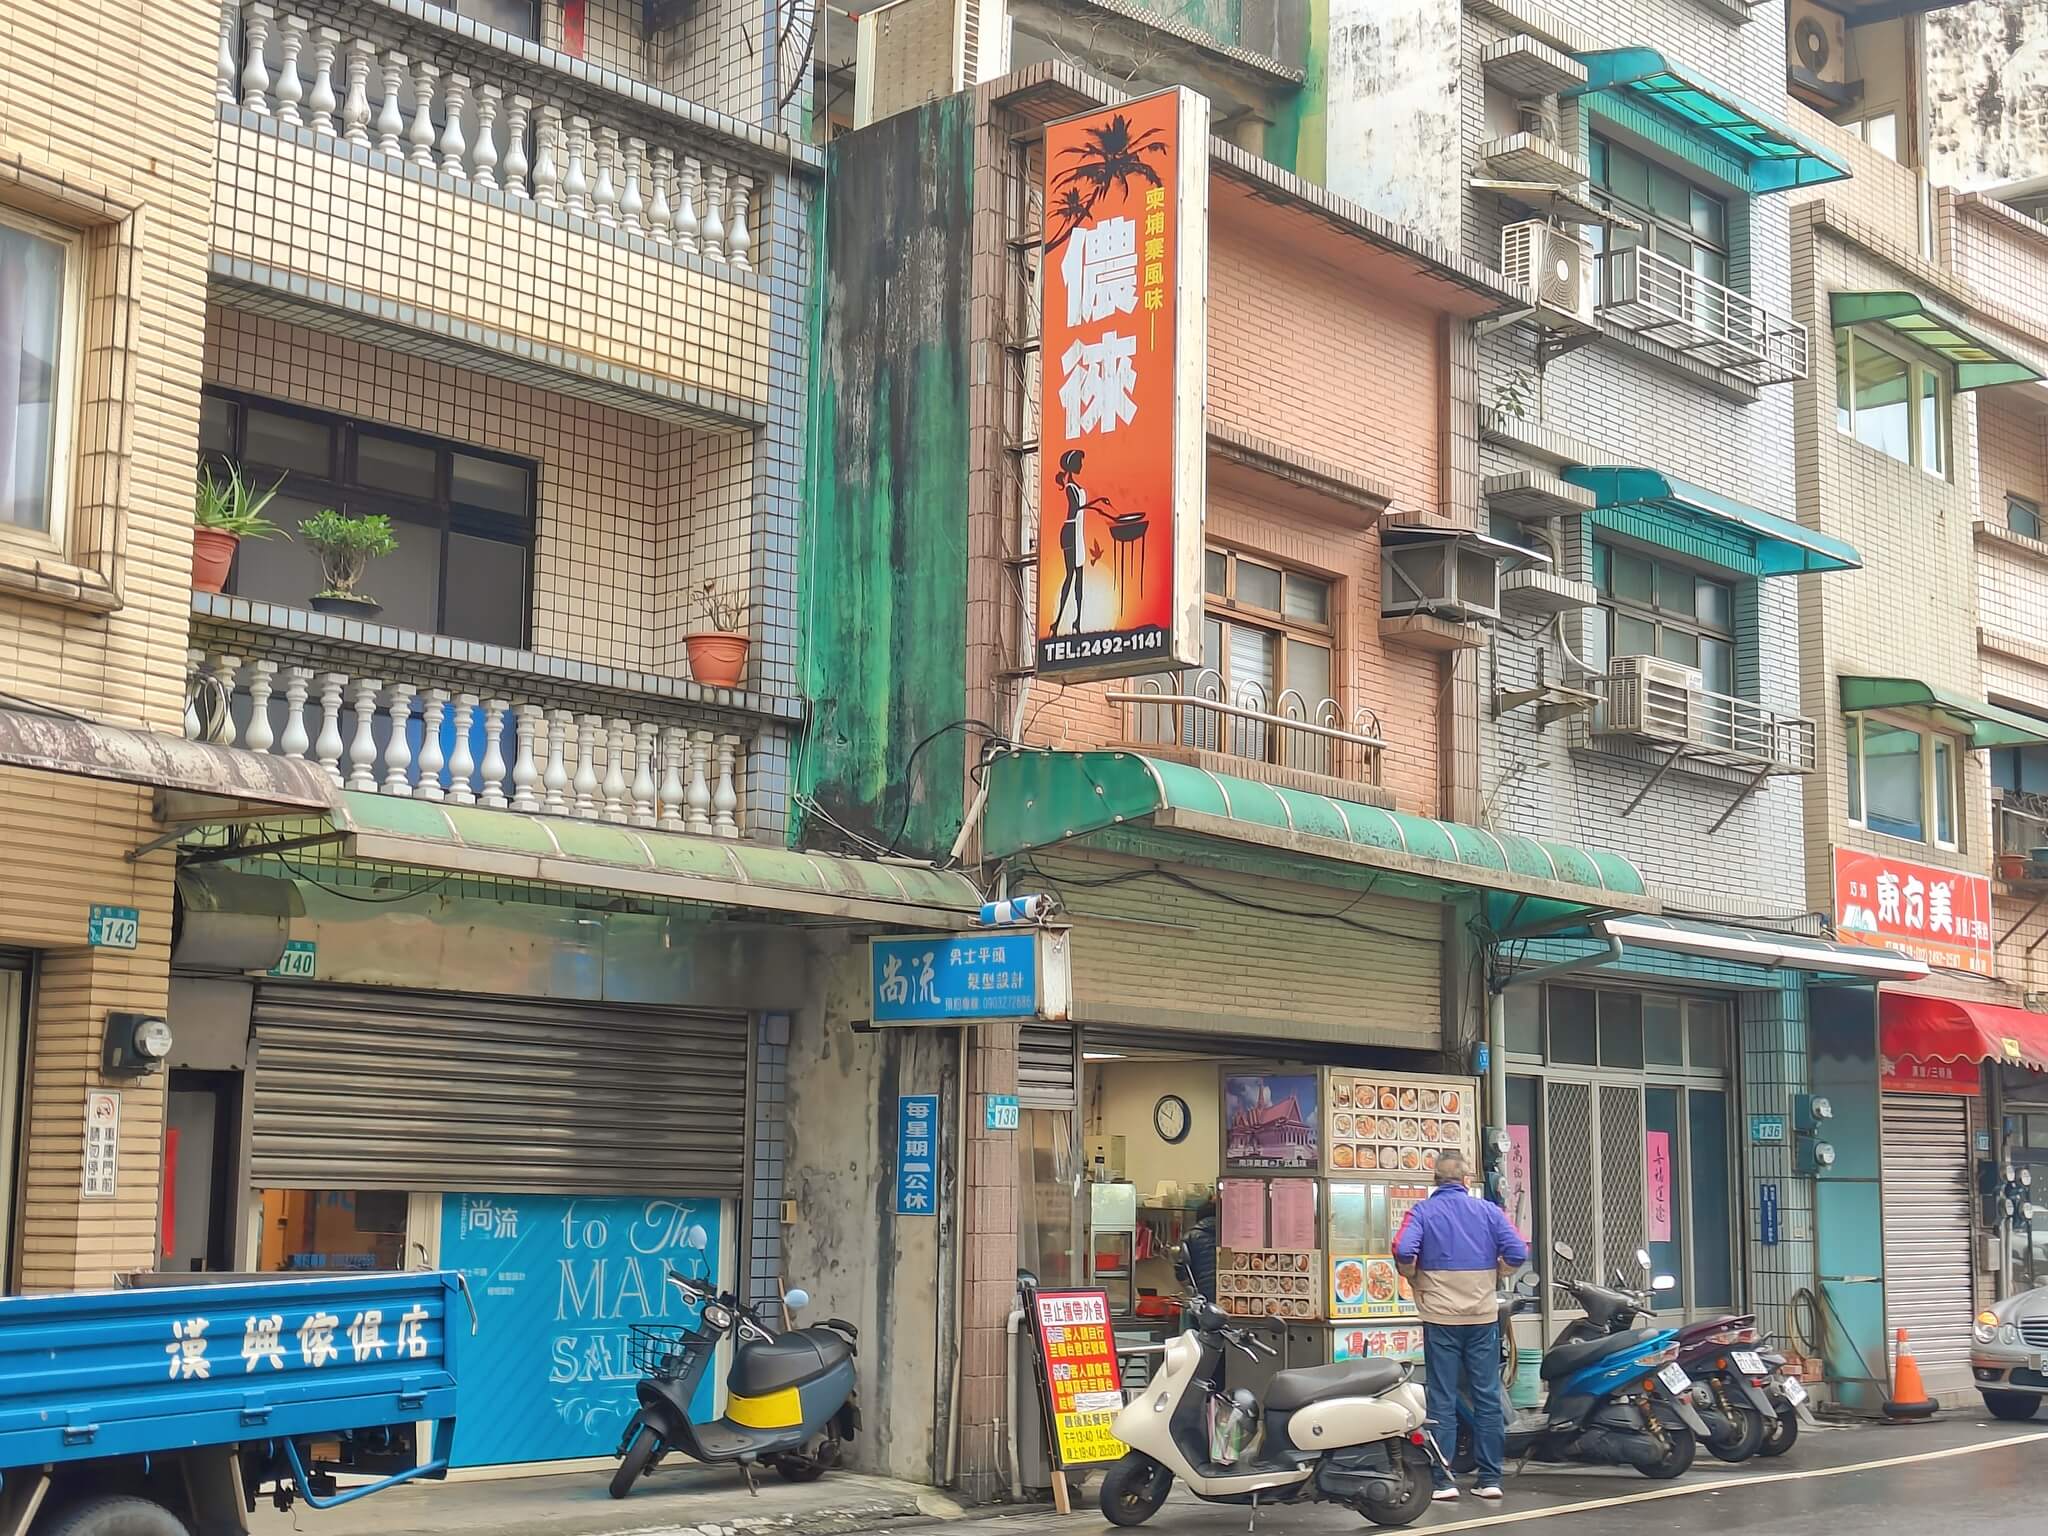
[(1465, 1356)]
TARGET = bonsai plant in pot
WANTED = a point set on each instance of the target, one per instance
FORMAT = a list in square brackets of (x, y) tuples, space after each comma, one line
[(225, 512), (346, 546), (718, 656)]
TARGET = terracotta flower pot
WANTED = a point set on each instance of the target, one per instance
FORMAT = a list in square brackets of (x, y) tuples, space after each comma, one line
[(717, 659), (213, 553), (2012, 866)]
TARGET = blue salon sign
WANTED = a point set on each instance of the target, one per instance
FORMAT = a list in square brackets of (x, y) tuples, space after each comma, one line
[(917, 1154), (559, 1283), (966, 976)]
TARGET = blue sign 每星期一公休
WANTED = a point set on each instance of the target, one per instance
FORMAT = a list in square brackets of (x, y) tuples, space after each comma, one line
[(559, 1282), (964, 976), (917, 1159), (1767, 1215)]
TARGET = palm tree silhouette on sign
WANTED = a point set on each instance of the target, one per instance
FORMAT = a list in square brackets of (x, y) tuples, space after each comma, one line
[(1111, 157)]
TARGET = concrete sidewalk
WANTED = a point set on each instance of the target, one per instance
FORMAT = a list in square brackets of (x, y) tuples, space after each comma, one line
[(679, 1501)]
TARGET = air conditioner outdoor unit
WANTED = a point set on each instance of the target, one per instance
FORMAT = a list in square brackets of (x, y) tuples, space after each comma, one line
[(1446, 577), (1554, 265), (1817, 43), (1655, 699)]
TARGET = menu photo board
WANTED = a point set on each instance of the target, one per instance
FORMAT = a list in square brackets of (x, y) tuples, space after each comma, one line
[(1370, 1284), (1077, 1360), (1394, 1125), (1270, 1282)]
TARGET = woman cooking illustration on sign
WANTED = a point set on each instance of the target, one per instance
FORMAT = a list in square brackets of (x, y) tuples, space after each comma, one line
[(1073, 531)]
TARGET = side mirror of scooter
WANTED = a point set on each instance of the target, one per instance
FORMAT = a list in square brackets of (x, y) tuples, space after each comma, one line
[(1664, 1283), (797, 1299), (1563, 1250), (1643, 1260)]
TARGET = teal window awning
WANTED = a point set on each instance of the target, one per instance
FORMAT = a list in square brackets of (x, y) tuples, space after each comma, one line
[(1978, 363), (1766, 155), (1691, 520), (1986, 725), (1039, 798)]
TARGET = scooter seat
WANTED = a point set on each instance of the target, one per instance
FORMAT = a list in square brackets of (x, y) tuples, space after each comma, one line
[(1563, 1359), (791, 1360), (1292, 1390)]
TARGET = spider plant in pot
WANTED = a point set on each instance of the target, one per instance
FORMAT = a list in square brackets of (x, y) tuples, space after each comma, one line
[(225, 512), (346, 546), (718, 656)]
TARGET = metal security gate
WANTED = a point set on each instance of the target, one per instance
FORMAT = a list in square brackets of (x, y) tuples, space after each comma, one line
[(1046, 1077), (1927, 1231), (375, 1088)]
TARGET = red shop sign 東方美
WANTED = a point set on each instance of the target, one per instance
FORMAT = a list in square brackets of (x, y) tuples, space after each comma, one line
[(1941, 916)]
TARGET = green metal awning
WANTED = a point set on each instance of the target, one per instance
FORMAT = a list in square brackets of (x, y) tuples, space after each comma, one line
[(1655, 507), (1986, 725), (1978, 363), (673, 866), (1769, 155), (1039, 798)]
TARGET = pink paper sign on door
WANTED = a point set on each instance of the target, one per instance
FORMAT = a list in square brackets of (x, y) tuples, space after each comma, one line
[(1517, 1192), (1244, 1214), (1657, 1154)]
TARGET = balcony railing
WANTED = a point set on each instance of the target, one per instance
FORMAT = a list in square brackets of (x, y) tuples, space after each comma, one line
[(1187, 713), (2022, 823), (420, 93), (1677, 308), (1695, 725), (422, 738)]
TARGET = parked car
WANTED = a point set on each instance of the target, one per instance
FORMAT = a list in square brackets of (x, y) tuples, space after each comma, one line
[(2009, 1354)]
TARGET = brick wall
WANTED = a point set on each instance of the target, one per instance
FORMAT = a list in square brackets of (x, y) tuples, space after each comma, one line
[(97, 153), (1305, 357)]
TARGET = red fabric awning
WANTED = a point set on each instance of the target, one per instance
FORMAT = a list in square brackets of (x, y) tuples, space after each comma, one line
[(1942, 1029)]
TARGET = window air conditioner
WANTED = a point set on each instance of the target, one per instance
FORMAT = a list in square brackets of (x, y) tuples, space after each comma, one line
[(1652, 698), (1450, 578), (1554, 265)]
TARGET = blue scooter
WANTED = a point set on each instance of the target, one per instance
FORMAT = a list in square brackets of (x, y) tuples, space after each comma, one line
[(1615, 1400)]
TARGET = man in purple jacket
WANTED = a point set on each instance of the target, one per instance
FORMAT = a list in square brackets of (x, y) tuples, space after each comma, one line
[(1451, 1247)]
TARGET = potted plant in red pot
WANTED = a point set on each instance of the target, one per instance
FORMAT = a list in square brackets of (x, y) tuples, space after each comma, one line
[(224, 513), (718, 656), (346, 546)]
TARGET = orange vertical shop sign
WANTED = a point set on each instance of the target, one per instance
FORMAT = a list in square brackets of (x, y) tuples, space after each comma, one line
[(1122, 379)]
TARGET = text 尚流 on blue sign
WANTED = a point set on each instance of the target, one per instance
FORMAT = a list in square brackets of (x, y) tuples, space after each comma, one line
[(964, 976)]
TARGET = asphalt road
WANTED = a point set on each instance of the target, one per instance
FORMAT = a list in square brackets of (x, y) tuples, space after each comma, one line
[(1962, 1473)]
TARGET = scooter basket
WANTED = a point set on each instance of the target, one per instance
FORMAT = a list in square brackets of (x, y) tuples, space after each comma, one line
[(663, 1353)]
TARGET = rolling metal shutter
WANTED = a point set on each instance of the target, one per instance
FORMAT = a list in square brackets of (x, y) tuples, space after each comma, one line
[(1927, 1228), (1045, 1067), (369, 1088)]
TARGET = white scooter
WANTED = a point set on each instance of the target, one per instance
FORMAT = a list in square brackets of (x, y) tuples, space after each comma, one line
[(1350, 1433)]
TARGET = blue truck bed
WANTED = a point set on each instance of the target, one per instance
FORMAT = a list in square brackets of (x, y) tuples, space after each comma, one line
[(95, 1374)]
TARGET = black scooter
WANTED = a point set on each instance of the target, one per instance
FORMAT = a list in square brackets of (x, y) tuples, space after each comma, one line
[(790, 1398)]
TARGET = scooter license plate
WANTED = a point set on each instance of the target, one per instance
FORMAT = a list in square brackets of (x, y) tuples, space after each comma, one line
[(1747, 1363), (1795, 1390), (1675, 1379)]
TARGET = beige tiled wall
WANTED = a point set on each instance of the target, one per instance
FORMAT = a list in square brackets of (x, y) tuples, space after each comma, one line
[(75, 121), (447, 259), (633, 511), (1912, 610)]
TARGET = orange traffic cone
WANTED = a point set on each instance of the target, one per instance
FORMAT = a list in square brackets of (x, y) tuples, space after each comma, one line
[(1909, 1399)]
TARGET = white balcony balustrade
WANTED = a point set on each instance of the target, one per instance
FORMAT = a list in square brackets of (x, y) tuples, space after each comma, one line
[(1677, 308), (411, 739), (416, 93), (1188, 713)]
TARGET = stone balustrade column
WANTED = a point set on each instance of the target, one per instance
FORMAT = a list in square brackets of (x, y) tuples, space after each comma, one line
[(547, 138), (712, 239), (632, 207), (355, 105), (738, 241), (519, 113), (320, 100), (604, 196), (484, 157), (493, 766), (433, 756), (425, 77), (462, 757), (262, 678), (586, 765), (390, 115), (673, 746), (525, 771), (689, 229), (556, 779), (226, 70), (575, 162), (327, 750), (256, 22), (697, 799), (362, 745), (661, 218), (725, 797), (289, 89), (398, 750), (453, 147), (297, 683), (644, 742), (616, 736)]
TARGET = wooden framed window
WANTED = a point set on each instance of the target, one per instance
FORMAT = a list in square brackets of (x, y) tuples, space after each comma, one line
[(41, 283), (1269, 634)]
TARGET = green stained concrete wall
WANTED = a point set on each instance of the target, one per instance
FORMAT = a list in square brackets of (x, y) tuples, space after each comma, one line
[(1298, 136), (883, 559)]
